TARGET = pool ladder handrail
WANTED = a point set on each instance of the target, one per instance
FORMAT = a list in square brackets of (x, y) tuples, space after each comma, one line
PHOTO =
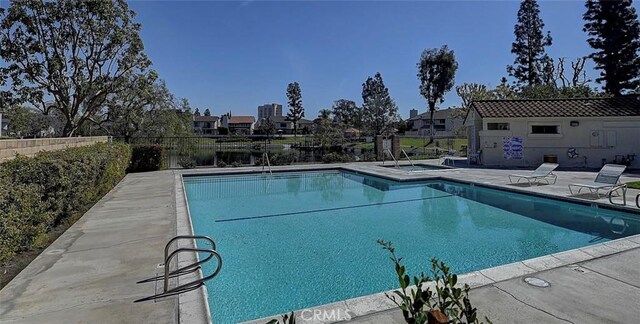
[(265, 157), (193, 267), (393, 157), (413, 167)]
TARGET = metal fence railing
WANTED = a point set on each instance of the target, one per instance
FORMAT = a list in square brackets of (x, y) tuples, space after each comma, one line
[(217, 150)]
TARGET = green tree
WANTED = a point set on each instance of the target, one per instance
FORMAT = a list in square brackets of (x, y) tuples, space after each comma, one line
[(379, 111), (347, 113), (324, 114), (207, 112), (128, 113), (504, 91), (529, 45), (469, 92), (25, 122), (266, 127), (20, 118), (296, 111), (436, 72), (73, 54), (614, 34), (327, 135), (197, 112), (167, 122), (184, 106), (548, 91)]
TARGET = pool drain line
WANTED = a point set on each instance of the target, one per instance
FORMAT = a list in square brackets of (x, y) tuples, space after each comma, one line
[(330, 209)]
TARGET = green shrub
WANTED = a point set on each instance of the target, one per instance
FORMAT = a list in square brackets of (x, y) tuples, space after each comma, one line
[(420, 304), (287, 158), (38, 193), (221, 164), (149, 157), (187, 162), (336, 157)]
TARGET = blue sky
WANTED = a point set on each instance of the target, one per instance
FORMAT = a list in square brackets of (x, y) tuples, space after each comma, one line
[(238, 55)]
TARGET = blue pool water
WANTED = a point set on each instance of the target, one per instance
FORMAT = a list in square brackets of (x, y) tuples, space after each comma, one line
[(292, 241)]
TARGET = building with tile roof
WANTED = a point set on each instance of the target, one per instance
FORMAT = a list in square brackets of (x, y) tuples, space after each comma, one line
[(206, 125), (445, 123), (582, 132), (239, 124)]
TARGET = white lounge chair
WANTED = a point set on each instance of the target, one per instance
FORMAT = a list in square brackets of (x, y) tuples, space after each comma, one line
[(607, 179), (544, 171)]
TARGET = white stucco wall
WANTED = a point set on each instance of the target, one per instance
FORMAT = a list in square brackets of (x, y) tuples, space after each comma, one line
[(595, 138)]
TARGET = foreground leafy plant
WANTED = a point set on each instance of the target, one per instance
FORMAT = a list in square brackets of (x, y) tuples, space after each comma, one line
[(419, 304), (286, 319)]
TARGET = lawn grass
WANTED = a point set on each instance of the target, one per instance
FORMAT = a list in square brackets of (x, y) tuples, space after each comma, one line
[(634, 184), (287, 140), (416, 144)]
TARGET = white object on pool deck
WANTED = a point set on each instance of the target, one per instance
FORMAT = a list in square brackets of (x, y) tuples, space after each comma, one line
[(608, 178), (541, 173)]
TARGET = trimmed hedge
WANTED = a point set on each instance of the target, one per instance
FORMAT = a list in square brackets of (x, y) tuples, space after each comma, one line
[(38, 193), (147, 157)]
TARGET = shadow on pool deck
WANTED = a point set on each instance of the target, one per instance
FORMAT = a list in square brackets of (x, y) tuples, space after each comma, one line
[(604, 290)]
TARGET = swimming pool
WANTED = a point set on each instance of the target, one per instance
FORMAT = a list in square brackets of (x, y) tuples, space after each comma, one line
[(296, 240)]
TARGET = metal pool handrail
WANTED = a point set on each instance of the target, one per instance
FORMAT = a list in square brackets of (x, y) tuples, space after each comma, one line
[(393, 157), (407, 156), (265, 157), (192, 285)]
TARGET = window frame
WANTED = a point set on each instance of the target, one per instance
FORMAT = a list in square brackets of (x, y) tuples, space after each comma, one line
[(507, 128)]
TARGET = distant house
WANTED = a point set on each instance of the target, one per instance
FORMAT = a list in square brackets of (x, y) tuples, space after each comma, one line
[(284, 126), (239, 124), (207, 125), (352, 132), (584, 132), (445, 123)]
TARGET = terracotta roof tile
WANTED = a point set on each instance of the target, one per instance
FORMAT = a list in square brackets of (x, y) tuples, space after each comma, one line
[(241, 120), (585, 107)]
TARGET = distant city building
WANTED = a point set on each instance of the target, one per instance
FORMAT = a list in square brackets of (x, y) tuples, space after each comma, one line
[(269, 110), (413, 113)]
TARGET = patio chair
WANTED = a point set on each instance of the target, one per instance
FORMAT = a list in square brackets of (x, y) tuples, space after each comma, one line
[(607, 179), (544, 171)]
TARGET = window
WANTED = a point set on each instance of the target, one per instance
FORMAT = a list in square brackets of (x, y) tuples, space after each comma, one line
[(497, 126), (283, 125), (544, 129)]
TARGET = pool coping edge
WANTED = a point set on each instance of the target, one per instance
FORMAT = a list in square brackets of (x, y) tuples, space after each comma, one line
[(192, 308), (378, 302)]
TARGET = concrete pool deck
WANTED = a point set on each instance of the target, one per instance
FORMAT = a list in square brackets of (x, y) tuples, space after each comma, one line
[(88, 275)]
